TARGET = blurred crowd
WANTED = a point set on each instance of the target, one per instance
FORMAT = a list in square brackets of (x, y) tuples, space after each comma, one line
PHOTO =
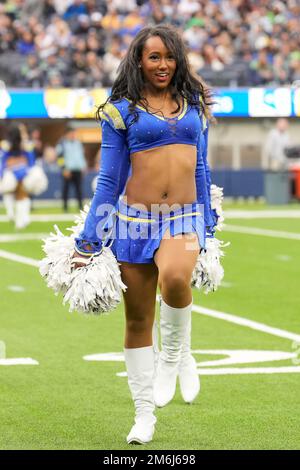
[(80, 43)]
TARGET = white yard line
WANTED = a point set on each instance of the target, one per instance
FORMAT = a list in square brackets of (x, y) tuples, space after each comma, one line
[(229, 214), (6, 238), (27, 361), (46, 217), (260, 231), (234, 357), (19, 237), (248, 323), (196, 308), (241, 371), (263, 214), (18, 258), (250, 370)]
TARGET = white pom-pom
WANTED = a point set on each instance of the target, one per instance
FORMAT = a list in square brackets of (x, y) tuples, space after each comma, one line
[(8, 183), (208, 272), (36, 181), (93, 288), (216, 195), (56, 266), (97, 287)]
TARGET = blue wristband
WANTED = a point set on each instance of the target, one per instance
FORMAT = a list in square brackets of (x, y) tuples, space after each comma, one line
[(81, 247)]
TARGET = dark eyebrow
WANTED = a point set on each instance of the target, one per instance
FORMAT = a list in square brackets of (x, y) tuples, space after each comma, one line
[(157, 52)]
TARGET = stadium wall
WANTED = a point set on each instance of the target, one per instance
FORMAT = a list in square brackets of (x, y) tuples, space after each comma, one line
[(236, 143)]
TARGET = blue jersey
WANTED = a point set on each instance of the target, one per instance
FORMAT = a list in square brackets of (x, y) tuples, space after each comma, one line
[(123, 135)]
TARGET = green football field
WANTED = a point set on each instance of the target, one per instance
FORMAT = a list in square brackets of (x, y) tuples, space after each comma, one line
[(62, 383)]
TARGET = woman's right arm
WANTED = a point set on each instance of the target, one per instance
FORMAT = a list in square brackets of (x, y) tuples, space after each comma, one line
[(114, 168), (3, 159)]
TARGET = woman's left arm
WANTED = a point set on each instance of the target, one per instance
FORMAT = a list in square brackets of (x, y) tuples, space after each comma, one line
[(203, 182)]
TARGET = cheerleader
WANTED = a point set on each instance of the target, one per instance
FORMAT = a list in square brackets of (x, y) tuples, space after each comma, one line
[(19, 177), (153, 193)]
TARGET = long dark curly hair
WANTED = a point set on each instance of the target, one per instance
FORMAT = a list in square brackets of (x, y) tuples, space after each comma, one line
[(185, 83), (14, 138)]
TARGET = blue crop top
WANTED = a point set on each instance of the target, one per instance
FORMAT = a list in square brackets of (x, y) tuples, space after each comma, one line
[(122, 136)]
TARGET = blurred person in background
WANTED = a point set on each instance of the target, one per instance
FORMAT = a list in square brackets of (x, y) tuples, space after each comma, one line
[(36, 142), (49, 161), (25, 45), (278, 139), (258, 41), (31, 73), (14, 166), (112, 60), (94, 70), (72, 160)]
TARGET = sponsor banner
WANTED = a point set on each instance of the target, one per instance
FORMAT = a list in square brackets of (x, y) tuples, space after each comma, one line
[(82, 103), (266, 102), (232, 103)]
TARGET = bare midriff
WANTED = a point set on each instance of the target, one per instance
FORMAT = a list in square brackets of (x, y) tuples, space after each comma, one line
[(12, 161), (162, 176)]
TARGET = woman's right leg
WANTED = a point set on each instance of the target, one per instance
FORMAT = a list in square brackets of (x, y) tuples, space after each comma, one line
[(140, 299)]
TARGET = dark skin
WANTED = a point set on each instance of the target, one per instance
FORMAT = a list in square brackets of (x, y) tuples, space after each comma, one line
[(166, 174), (161, 175)]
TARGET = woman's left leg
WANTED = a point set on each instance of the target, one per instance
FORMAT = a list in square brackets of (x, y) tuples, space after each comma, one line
[(22, 213), (140, 299), (9, 204), (175, 259)]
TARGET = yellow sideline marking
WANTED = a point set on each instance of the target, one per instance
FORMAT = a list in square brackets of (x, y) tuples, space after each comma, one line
[(135, 219)]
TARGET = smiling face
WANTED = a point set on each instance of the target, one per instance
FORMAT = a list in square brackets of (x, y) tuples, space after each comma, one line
[(158, 63)]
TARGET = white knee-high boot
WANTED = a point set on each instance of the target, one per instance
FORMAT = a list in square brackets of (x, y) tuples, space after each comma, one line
[(188, 376), (140, 372), (9, 203), (173, 327), (22, 216), (155, 338)]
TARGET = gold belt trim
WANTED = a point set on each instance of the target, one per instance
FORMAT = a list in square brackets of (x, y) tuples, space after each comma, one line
[(136, 219)]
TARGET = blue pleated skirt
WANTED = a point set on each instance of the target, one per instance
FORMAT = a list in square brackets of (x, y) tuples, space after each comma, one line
[(138, 233)]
